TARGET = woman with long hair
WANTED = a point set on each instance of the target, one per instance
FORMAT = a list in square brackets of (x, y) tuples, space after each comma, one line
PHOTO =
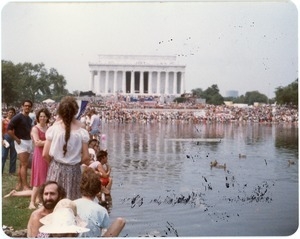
[(66, 148)]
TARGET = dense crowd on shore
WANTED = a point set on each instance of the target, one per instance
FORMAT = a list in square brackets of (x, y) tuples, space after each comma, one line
[(49, 132), (125, 112), (207, 113)]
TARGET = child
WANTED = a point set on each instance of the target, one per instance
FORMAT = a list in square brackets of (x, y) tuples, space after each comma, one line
[(103, 169)]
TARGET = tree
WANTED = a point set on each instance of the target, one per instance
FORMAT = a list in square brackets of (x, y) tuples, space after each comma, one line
[(28, 81), (180, 99), (255, 96), (76, 93), (249, 98), (10, 74), (57, 85), (288, 94), (198, 92), (212, 95), (33, 81)]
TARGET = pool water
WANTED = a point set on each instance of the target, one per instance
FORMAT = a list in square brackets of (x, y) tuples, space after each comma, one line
[(165, 187)]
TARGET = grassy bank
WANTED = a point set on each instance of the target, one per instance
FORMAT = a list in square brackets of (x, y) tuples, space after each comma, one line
[(15, 210)]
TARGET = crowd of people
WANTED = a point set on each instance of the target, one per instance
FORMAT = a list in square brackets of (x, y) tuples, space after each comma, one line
[(68, 161), (124, 112), (60, 168)]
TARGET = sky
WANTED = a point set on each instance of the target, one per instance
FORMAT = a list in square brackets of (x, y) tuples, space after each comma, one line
[(239, 45)]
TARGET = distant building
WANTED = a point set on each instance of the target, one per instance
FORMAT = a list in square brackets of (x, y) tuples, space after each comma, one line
[(232, 93), (137, 75)]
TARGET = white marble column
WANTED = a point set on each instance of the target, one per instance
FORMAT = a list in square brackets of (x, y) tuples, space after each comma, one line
[(158, 83), (175, 83), (167, 83), (182, 83), (150, 82), (115, 82), (141, 82)]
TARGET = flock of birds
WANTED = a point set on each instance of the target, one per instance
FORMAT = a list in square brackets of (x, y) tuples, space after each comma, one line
[(216, 164)]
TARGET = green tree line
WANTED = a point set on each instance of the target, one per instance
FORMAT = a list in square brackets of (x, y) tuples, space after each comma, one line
[(283, 96), (28, 81), (35, 82), (287, 94)]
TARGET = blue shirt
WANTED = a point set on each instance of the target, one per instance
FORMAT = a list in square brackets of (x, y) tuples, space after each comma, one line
[(94, 215), (21, 125)]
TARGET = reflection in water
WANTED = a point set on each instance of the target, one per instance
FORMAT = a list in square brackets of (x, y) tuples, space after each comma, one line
[(167, 188), (105, 200), (287, 137)]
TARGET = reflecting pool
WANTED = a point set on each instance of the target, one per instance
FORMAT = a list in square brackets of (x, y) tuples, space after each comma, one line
[(164, 186)]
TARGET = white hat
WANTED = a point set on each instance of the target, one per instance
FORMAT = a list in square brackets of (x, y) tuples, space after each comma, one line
[(63, 219)]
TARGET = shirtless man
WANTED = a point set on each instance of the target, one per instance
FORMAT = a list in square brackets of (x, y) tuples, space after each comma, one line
[(50, 193)]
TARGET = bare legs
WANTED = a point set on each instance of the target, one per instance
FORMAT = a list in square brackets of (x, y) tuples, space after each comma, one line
[(108, 186), (106, 189), (23, 184), (15, 193), (33, 198), (26, 193)]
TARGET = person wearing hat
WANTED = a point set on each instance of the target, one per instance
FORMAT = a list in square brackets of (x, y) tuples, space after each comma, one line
[(63, 221)]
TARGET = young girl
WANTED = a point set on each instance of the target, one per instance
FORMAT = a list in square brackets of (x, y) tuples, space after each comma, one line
[(103, 169)]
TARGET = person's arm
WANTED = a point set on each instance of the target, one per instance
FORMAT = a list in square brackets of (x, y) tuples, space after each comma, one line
[(85, 156), (108, 168), (11, 131), (102, 171), (33, 225), (3, 130), (115, 228), (35, 137), (91, 122), (3, 127), (46, 150)]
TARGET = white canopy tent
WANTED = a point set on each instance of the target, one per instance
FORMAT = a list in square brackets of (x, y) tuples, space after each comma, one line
[(48, 101)]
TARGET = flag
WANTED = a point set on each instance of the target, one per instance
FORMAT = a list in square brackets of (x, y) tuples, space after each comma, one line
[(82, 106)]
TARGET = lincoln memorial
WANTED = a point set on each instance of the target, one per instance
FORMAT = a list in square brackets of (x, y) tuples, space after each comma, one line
[(137, 75)]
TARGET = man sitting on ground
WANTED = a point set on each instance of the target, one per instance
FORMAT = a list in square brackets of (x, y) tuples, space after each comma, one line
[(50, 194)]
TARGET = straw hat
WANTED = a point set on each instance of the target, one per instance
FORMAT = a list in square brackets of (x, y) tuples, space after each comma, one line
[(63, 219)]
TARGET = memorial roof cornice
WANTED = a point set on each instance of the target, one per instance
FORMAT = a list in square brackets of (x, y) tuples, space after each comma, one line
[(136, 65)]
